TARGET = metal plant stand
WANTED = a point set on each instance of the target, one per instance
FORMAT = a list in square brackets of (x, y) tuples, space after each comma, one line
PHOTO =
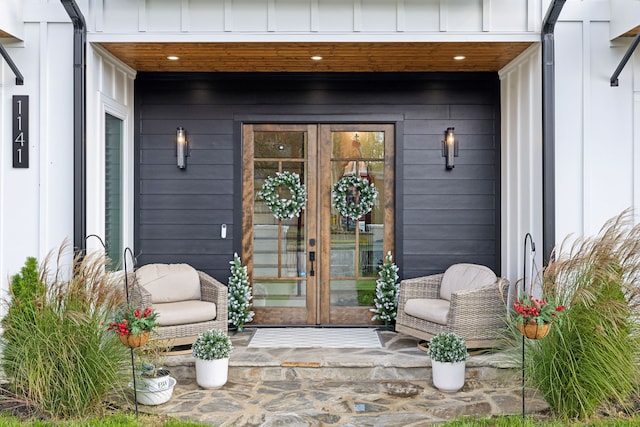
[(527, 238), (126, 290)]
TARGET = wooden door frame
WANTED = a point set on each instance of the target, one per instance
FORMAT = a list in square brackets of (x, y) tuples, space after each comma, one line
[(310, 311), (318, 298), (324, 156)]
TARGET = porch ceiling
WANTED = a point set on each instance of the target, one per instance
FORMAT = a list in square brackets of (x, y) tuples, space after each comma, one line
[(337, 57)]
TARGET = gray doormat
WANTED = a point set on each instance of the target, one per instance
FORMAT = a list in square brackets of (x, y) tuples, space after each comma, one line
[(315, 337)]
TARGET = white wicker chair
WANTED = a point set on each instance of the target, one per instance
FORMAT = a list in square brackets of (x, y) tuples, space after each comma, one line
[(467, 299)]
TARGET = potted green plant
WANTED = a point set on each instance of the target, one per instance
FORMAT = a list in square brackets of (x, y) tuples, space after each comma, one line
[(448, 352), (150, 368), (211, 350)]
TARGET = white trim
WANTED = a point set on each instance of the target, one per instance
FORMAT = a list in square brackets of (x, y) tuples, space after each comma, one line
[(315, 37), (107, 57)]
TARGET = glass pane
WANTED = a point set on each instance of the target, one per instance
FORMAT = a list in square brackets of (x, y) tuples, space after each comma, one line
[(350, 293), (291, 293), (357, 145), (113, 189), (357, 244), (279, 145), (279, 247)]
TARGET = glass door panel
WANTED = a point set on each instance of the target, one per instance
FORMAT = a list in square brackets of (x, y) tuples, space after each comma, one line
[(277, 247), (354, 248), (318, 267), (353, 258)]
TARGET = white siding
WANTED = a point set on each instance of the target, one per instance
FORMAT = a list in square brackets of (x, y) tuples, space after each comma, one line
[(521, 162), (297, 20), (595, 164), (109, 90), (37, 203)]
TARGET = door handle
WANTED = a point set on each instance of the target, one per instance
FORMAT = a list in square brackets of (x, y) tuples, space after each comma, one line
[(312, 259)]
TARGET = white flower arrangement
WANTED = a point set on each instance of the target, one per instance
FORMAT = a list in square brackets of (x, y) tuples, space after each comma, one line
[(284, 208), (346, 186)]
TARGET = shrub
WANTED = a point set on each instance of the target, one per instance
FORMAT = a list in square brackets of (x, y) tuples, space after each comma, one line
[(57, 354), (590, 357)]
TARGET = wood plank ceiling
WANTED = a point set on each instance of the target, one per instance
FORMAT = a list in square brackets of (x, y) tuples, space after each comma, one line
[(336, 57)]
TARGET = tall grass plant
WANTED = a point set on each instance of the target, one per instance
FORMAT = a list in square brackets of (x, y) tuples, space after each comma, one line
[(57, 354), (590, 357)]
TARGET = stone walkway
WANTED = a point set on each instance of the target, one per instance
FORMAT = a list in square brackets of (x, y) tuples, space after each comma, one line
[(342, 387)]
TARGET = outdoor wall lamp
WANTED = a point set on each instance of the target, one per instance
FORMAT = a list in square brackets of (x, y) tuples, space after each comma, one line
[(182, 147), (449, 147)]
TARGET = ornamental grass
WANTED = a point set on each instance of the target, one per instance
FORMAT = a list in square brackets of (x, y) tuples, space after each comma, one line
[(590, 358), (57, 354)]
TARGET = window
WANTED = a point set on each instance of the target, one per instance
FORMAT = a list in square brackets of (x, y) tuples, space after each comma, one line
[(113, 189)]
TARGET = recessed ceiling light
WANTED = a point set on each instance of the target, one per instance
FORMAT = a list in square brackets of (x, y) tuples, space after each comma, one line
[(316, 58), (173, 58), (459, 57)]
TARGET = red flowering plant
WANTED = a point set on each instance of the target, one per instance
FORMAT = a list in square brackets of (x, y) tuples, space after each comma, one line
[(535, 311), (133, 321)]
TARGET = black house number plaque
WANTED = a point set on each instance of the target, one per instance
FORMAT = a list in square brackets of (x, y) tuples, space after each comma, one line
[(20, 131)]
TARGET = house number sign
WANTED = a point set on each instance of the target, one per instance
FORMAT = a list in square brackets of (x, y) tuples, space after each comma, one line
[(20, 131)]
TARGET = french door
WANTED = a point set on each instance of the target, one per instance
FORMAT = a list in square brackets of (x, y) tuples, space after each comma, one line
[(319, 267)]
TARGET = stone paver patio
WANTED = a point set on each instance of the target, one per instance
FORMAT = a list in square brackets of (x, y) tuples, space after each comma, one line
[(343, 387)]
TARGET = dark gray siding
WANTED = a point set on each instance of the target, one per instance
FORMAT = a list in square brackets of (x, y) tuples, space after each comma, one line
[(442, 217)]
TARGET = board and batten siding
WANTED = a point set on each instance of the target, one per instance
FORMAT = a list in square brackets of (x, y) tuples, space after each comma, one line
[(442, 217)]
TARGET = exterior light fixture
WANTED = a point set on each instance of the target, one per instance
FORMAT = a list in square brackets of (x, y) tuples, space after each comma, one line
[(173, 57), (182, 147), (316, 58), (459, 57), (449, 147)]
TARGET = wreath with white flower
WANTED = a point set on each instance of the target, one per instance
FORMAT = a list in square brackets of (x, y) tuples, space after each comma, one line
[(284, 208), (349, 208)]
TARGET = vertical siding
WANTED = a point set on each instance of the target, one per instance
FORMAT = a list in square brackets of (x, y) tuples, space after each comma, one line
[(442, 216), (293, 18), (521, 196), (596, 161), (109, 90)]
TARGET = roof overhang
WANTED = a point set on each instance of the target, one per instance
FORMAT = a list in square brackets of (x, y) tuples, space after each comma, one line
[(287, 56)]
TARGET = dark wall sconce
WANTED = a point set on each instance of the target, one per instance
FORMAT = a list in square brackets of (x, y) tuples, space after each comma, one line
[(182, 147), (449, 147)]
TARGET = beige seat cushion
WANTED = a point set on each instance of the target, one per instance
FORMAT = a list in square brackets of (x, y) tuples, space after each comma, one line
[(433, 310), (465, 276), (169, 282), (184, 312)]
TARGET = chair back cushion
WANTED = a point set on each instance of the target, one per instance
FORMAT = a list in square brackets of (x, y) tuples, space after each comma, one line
[(465, 276), (169, 282)]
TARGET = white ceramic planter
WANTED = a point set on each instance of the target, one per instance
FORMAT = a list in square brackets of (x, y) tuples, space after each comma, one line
[(448, 377), (153, 383), (212, 373), (147, 397)]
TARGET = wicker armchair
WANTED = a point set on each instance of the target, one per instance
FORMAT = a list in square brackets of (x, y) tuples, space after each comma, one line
[(467, 299), (187, 301)]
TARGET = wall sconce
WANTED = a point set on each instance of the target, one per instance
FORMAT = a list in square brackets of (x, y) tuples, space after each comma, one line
[(449, 147), (182, 147)]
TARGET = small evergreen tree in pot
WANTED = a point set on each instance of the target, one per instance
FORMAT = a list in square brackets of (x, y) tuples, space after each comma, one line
[(239, 295), (387, 290)]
